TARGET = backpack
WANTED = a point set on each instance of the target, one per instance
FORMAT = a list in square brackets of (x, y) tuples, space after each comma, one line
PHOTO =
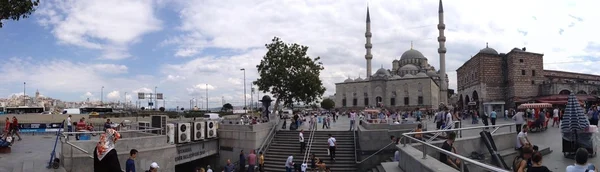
[(595, 115)]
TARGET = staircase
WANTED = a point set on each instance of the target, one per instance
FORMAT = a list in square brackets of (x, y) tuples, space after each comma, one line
[(285, 143), (426, 136)]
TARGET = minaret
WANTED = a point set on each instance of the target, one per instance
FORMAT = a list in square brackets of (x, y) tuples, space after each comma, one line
[(442, 50), (368, 45)]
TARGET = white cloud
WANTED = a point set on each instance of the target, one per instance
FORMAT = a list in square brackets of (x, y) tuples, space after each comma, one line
[(110, 68), (89, 24), (113, 95), (175, 78), (199, 89)]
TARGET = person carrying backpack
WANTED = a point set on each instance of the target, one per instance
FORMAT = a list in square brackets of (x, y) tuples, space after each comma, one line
[(594, 119)]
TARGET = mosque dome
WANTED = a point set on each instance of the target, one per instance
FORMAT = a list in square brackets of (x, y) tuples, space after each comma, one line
[(396, 77), (408, 75), (382, 72), (488, 50), (421, 74), (432, 73), (348, 80), (409, 67), (358, 79), (412, 54)]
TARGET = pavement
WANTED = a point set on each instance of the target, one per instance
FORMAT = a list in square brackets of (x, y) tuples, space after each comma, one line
[(34, 150)]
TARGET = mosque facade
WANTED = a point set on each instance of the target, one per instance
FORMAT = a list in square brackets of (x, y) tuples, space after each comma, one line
[(411, 83)]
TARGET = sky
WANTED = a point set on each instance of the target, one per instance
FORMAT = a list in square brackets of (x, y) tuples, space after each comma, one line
[(70, 49)]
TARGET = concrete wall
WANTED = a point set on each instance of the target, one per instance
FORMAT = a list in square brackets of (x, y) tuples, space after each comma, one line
[(151, 149), (372, 140), (385, 126), (233, 138), (411, 156)]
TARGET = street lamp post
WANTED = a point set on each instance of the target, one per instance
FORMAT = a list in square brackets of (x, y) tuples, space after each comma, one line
[(24, 100), (243, 69), (125, 104), (155, 94), (102, 96), (206, 85)]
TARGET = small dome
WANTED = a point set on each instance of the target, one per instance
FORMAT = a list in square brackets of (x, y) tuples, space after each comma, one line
[(395, 61), (396, 77), (358, 79), (412, 54), (408, 75), (488, 50), (348, 80), (382, 72), (421, 74), (432, 73), (409, 67)]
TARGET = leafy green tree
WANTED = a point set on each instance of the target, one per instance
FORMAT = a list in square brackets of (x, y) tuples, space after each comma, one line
[(16, 9), (289, 74), (327, 104), (227, 107)]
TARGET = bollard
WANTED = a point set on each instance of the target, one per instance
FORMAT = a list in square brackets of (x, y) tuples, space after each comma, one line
[(424, 152)]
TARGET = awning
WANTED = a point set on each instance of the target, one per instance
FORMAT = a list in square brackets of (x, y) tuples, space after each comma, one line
[(556, 102), (535, 105)]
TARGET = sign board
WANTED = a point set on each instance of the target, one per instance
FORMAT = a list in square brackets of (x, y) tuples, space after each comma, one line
[(159, 96), (196, 150), (472, 103), (141, 95)]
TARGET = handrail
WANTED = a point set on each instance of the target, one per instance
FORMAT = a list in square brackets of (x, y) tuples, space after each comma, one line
[(441, 131), (100, 132), (267, 141), (425, 145), (310, 142), (354, 139), (80, 149), (386, 146)]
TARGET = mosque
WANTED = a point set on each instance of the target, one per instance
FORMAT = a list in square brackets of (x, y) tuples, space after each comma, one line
[(411, 83)]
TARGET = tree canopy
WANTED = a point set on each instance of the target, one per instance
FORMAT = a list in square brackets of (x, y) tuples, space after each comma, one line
[(227, 106), (289, 74), (16, 9), (162, 109), (327, 104)]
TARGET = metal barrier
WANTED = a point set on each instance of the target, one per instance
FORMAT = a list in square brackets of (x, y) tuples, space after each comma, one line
[(451, 154), (442, 131), (310, 141), (383, 148), (267, 142)]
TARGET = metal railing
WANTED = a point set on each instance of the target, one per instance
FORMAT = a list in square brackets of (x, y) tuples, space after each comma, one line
[(451, 154), (267, 142), (442, 131), (310, 141), (383, 148)]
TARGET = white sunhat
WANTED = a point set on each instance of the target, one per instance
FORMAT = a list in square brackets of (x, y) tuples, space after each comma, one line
[(154, 165)]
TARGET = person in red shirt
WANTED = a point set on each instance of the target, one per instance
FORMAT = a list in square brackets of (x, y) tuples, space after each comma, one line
[(6, 128), (15, 127)]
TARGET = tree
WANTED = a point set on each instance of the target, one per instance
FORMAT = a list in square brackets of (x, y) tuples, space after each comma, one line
[(327, 104), (227, 107), (16, 9), (289, 74), (143, 108), (182, 109), (162, 109)]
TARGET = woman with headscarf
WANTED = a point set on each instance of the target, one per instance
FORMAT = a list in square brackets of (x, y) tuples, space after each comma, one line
[(105, 155)]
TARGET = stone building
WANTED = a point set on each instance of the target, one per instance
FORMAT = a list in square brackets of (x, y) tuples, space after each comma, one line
[(411, 83), (492, 80)]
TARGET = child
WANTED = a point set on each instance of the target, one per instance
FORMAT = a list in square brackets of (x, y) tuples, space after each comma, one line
[(419, 129), (261, 162), (130, 163)]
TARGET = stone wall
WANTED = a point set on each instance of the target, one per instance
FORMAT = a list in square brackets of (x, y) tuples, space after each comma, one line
[(377, 137), (522, 83), (234, 138)]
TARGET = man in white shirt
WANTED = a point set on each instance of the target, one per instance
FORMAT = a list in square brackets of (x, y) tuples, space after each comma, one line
[(331, 142), (69, 124), (448, 120), (289, 164), (506, 114), (555, 117), (522, 139), (352, 120), (302, 143), (519, 120)]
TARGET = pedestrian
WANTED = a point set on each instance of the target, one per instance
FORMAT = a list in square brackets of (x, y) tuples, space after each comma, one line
[(289, 164), (229, 167), (242, 161), (331, 142), (352, 120), (493, 117), (208, 169), (555, 117), (153, 167), (15, 127), (302, 143), (69, 124), (261, 162), (130, 163), (105, 154), (251, 161)]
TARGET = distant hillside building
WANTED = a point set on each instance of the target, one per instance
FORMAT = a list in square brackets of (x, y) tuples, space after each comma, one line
[(492, 80)]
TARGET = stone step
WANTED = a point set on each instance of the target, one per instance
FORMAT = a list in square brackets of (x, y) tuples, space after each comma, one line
[(324, 141), (284, 156), (293, 144), (333, 169), (380, 168)]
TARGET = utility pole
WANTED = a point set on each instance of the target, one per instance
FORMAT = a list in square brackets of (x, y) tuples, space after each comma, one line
[(251, 97), (125, 102), (24, 100), (206, 97), (154, 102), (243, 69), (102, 96)]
